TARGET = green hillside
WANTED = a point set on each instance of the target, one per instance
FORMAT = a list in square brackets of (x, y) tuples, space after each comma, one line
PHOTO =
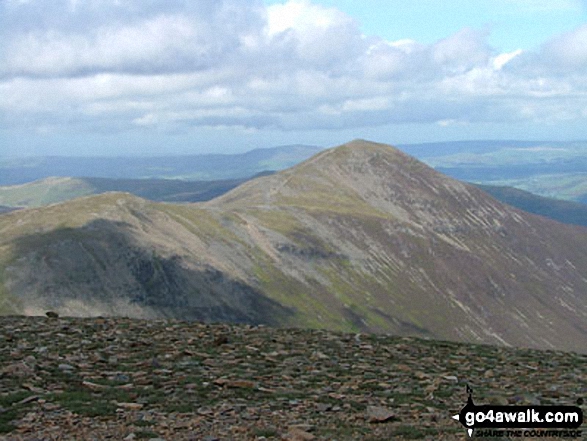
[(54, 190), (359, 238)]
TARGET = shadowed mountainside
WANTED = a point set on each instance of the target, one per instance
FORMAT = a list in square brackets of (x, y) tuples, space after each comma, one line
[(361, 237)]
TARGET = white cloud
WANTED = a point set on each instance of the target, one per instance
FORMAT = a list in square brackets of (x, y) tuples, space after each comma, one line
[(292, 66), (502, 59), (568, 51), (302, 17), (462, 51)]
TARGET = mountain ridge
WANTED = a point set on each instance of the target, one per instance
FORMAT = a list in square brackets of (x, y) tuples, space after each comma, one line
[(361, 237)]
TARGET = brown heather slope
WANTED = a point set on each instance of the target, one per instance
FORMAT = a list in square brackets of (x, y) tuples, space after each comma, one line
[(361, 237)]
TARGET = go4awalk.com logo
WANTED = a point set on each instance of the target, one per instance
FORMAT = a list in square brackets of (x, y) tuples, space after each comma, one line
[(520, 421)]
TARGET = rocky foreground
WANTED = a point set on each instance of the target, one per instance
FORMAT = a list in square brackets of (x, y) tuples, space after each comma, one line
[(122, 379)]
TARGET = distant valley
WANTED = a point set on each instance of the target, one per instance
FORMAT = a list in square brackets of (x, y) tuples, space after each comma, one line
[(568, 212), (359, 238), (190, 168), (550, 169)]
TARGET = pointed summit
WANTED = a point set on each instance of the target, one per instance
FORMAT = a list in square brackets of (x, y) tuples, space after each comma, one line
[(361, 238), (366, 177)]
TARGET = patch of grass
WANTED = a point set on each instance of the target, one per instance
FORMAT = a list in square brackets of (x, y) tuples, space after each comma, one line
[(180, 407), (145, 434), (10, 399), (409, 432), (6, 419), (144, 423), (265, 431), (12, 410), (358, 407), (343, 432), (91, 404), (84, 403)]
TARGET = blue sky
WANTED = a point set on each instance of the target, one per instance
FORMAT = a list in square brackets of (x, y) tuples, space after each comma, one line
[(153, 77), (512, 24)]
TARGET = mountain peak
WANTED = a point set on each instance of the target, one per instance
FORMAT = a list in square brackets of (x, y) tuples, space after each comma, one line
[(351, 175), (360, 143), (367, 148), (360, 237)]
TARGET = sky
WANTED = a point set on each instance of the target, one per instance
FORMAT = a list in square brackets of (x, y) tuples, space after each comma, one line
[(148, 77)]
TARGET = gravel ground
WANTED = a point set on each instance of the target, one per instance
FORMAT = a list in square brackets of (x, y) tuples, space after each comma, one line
[(123, 379)]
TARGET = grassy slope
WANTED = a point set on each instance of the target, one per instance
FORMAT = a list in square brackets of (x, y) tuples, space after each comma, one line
[(45, 192), (313, 195), (359, 238), (53, 190)]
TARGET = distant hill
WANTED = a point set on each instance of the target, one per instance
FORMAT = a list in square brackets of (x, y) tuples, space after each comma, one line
[(195, 167), (4, 209), (562, 211), (360, 238), (551, 169), (52, 190)]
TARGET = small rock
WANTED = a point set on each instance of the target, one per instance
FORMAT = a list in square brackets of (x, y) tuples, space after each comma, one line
[(323, 407), (498, 400), (420, 375), (66, 367), (236, 384), (155, 363), (93, 386), (299, 435), (527, 399), (377, 414), (32, 388), (130, 406), (52, 314), (304, 427), (29, 399), (221, 340), (122, 378)]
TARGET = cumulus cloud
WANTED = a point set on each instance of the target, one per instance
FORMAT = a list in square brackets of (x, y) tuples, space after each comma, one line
[(568, 52), (114, 65)]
